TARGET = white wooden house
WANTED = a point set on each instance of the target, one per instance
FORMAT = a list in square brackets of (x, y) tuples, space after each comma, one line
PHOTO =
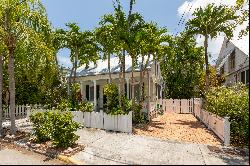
[(233, 61), (93, 80)]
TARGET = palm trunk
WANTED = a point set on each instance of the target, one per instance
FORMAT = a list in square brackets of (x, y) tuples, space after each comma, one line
[(120, 80), (70, 81), (12, 89), (123, 81), (74, 80), (1, 94), (110, 79), (75, 66), (133, 86), (206, 61), (141, 78)]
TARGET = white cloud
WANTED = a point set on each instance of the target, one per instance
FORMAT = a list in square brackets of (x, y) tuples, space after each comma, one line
[(215, 44)]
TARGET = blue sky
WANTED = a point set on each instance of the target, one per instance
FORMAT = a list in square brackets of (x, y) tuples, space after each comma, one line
[(87, 14)]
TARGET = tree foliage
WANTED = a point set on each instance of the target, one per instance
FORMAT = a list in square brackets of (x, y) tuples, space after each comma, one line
[(210, 22), (182, 67)]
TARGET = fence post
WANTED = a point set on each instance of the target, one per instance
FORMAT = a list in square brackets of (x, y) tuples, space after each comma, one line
[(226, 131), (28, 112)]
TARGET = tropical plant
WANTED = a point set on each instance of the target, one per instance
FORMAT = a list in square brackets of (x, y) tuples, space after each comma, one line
[(1, 87), (57, 126), (182, 67), (104, 36), (210, 22), (215, 80), (241, 7), (232, 102), (112, 94), (20, 20), (83, 48)]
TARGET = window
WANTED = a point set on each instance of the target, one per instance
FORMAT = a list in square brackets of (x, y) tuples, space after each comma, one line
[(227, 43), (232, 60), (87, 92), (242, 78), (222, 70), (247, 77), (91, 93)]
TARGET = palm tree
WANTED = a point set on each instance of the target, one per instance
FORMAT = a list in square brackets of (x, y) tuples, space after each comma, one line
[(1, 90), (83, 49), (210, 22), (17, 21), (104, 38)]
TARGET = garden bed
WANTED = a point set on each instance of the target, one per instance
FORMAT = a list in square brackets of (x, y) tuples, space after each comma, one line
[(179, 127), (24, 140)]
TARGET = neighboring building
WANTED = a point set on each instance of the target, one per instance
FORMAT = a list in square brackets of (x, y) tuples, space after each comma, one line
[(94, 79), (233, 62), (64, 73)]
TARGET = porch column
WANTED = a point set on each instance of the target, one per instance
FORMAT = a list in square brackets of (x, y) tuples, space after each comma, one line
[(94, 81), (82, 91), (127, 80)]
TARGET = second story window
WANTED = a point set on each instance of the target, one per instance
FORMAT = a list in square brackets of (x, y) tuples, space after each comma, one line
[(222, 70), (232, 60)]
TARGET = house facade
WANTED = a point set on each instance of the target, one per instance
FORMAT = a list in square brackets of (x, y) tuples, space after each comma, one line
[(93, 80), (233, 62)]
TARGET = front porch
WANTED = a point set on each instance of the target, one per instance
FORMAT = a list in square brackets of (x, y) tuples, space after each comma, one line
[(92, 88)]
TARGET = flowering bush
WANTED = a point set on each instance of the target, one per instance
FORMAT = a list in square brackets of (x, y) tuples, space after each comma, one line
[(234, 103)]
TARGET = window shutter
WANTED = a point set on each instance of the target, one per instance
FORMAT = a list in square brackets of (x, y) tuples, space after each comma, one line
[(87, 92)]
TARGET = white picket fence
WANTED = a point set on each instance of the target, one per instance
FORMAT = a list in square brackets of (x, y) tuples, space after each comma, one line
[(105, 121), (182, 106), (170, 105), (220, 126), (22, 111)]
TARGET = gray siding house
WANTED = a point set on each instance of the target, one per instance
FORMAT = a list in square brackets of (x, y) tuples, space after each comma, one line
[(233, 62)]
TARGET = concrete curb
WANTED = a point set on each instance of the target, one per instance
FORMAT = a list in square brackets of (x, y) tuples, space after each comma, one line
[(69, 160)]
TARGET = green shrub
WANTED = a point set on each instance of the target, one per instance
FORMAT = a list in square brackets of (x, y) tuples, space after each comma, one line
[(138, 116), (42, 126), (63, 129), (112, 93), (57, 126), (64, 104), (86, 106), (234, 103)]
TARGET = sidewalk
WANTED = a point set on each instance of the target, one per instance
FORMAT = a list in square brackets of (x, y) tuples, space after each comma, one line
[(120, 148), (9, 156)]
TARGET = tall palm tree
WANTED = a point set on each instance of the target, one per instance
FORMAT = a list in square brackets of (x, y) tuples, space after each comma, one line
[(210, 22), (18, 19), (105, 39), (1, 90), (83, 49)]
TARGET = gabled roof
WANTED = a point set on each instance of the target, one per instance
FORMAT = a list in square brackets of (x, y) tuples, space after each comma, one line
[(242, 44), (102, 66)]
